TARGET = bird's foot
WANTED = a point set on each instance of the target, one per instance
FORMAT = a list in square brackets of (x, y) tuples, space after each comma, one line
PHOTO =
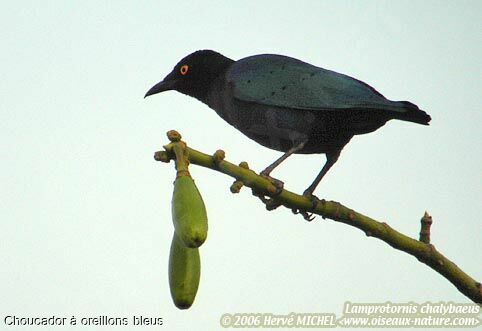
[(270, 203), (313, 198), (307, 216), (279, 185), (308, 193), (265, 172), (314, 202)]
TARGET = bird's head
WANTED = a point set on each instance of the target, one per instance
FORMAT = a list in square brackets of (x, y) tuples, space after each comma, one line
[(194, 74)]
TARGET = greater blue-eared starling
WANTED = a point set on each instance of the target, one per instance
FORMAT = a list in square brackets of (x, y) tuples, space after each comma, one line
[(286, 104)]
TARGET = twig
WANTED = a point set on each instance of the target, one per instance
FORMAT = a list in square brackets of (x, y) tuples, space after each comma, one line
[(426, 223), (421, 249)]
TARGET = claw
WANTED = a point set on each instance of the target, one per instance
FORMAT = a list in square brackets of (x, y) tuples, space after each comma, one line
[(307, 216)]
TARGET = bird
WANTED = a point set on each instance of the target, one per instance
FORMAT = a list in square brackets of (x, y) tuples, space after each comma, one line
[(286, 104)]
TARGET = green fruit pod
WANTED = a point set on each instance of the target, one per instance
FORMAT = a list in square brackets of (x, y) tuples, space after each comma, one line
[(189, 213), (184, 273)]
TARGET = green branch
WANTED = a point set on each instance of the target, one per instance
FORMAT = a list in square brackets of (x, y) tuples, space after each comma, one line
[(264, 187)]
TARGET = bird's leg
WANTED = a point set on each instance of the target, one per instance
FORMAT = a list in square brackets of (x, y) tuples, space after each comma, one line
[(283, 157), (331, 159), (272, 203), (267, 171)]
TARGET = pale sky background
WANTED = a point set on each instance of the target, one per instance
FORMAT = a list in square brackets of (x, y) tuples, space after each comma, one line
[(85, 210)]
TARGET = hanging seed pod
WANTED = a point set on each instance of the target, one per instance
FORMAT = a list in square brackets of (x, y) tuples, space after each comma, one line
[(189, 213), (184, 273)]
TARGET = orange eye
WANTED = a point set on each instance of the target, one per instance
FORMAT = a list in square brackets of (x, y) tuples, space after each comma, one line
[(184, 69)]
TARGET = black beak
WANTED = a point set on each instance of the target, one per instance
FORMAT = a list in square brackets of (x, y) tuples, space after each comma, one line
[(165, 85)]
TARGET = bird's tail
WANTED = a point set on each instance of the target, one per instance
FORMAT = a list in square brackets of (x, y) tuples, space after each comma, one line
[(411, 113)]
